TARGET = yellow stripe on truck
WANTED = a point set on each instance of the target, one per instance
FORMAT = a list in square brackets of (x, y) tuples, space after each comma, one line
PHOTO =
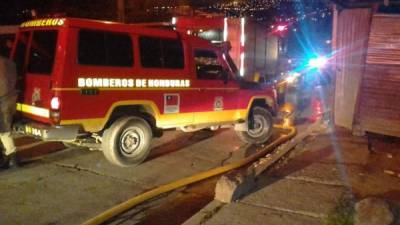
[(37, 111), (220, 116), (166, 121)]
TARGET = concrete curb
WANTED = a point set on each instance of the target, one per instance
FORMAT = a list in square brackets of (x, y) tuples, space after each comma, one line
[(231, 184), (205, 213)]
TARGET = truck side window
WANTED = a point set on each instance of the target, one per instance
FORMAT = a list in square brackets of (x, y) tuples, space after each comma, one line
[(173, 54), (161, 53), (207, 65), (42, 54), (105, 49), (150, 52)]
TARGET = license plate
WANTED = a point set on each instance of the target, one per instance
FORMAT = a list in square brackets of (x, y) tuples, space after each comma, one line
[(33, 131)]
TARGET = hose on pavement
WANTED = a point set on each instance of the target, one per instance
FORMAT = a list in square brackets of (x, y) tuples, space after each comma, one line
[(118, 209)]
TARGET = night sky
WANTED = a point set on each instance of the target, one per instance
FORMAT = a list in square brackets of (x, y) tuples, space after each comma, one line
[(17, 11), (307, 16)]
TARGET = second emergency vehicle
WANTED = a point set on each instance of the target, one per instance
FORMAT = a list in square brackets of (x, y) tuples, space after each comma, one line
[(119, 85)]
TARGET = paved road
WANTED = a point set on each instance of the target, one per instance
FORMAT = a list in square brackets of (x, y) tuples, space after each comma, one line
[(72, 185), (303, 191)]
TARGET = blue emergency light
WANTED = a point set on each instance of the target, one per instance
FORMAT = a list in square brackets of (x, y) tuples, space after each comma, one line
[(317, 63)]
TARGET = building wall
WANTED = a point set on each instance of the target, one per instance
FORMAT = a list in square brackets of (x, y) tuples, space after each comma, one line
[(380, 96), (350, 40)]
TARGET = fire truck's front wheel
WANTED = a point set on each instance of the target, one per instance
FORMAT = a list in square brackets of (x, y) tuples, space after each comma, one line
[(127, 141), (260, 127)]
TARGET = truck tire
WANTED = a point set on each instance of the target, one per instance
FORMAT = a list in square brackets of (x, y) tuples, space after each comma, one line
[(2, 160), (261, 130), (127, 141)]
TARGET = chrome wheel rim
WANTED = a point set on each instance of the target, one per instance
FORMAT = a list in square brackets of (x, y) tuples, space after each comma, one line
[(131, 140), (260, 127)]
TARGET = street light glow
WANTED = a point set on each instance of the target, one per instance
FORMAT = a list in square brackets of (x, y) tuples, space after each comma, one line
[(318, 62), (281, 28)]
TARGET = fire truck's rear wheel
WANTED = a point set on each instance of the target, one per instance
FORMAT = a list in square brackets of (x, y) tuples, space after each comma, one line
[(127, 141), (261, 128)]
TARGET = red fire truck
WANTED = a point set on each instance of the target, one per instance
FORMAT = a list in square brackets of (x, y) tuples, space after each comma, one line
[(119, 85), (254, 48)]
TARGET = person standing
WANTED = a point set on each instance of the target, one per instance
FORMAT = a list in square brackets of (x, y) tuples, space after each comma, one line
[(8, 96)]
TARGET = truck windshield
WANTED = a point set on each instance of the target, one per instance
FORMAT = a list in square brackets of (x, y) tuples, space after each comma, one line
[(41, 52)]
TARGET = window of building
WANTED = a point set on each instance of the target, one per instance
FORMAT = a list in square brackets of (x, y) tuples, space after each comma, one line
[(105, 49), (389, 9), (207, 65), (161, 53)]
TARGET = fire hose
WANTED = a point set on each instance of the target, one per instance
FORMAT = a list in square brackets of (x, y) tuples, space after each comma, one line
[(118, 209)]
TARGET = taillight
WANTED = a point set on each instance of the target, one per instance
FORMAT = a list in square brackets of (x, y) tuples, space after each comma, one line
[(55, 103), (55, 109)]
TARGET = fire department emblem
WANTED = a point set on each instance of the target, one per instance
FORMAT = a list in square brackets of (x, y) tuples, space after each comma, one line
[(218, 104), (171, 103), (36, 97)]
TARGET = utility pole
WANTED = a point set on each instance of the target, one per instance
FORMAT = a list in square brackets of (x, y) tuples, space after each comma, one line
[(121, 11)]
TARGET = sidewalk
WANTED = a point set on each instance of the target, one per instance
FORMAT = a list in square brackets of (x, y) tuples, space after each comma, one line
[(317, 176)]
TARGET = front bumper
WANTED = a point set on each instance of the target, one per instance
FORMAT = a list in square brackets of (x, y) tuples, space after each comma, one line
[(48, 132)]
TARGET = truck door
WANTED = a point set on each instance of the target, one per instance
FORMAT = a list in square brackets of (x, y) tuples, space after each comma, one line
[(217, 92), (35, 54), (163, 60)]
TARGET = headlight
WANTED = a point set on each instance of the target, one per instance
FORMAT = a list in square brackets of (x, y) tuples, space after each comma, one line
[(292, 77)]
